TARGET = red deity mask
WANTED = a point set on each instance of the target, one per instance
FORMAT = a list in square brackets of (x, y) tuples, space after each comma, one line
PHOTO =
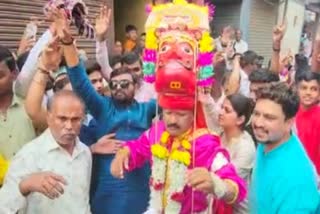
[(176, 65)]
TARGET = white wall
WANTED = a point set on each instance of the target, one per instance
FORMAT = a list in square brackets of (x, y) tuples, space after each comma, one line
[(295, 17)]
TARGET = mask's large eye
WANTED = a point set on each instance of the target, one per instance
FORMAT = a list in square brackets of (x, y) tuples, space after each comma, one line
[(165, 48), (186, 49)]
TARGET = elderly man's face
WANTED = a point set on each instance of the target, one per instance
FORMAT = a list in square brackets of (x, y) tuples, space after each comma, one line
[(65, 119)]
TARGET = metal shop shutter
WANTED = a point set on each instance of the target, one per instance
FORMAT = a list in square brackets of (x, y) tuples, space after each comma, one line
[(15, 14), (262, 21)]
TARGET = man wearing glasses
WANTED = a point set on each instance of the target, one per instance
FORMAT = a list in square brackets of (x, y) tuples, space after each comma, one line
[(119, 118)]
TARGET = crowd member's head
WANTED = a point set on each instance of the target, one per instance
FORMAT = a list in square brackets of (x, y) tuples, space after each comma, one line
[(131, 32), (309, 89), (235, 113), (274, 113), (142, 40), (132, 61), (249, 61), (226, 31), (94, 73), (8, 71), (117, 48), (65, 114), (260, 61), (301, 65), (238, 35), (123, 85), (115, 62), (260, 79), (61, 79)]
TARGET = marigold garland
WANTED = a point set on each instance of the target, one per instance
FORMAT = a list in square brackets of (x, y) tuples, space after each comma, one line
[(159, 151)]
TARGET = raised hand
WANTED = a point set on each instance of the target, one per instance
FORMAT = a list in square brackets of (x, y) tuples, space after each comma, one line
[(218, 58), (204, 95), (25, 45), (106, 145), (278, 32), (102, 23), (46, 183), (51, 56), (62, 25)]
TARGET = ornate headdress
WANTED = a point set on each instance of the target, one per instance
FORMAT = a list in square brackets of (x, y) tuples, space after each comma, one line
[(178, 52)]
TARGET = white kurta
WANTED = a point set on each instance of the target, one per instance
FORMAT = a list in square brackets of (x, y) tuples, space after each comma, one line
[(43, 154)]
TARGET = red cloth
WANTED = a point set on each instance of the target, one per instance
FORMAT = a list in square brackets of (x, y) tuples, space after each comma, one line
[(308, 128), (173, 101)]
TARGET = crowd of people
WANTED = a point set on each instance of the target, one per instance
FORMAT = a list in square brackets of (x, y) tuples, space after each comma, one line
[(79, 135)]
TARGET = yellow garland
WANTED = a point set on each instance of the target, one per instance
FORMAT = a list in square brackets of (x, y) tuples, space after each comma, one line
[(164, 137), (183, 2), (4, 165), (162, 152), (183, 157), (206, 43), (159, 151), (186, 144)]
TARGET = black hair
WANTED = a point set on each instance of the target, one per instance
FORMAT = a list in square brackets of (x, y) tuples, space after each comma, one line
[(92, 66), (130, 28), (21, 60), (243, 106), (123, 70), (115, 60), (130, 58), (143, 34), (60, 84), (308, 76), (301, 65), (263, 76), (7, 57), (281, 93), (248, 57)]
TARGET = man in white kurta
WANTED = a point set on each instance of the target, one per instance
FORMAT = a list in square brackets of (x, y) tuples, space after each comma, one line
[(44, 176)]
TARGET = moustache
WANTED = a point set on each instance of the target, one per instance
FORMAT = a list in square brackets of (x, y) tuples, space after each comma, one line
[(119, 92), (69, 135), (175, 126)]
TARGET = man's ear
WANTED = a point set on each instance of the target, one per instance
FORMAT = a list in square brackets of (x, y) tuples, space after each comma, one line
[(290, 122)]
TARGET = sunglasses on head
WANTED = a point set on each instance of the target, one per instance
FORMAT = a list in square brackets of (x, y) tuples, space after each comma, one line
[(124, 84)]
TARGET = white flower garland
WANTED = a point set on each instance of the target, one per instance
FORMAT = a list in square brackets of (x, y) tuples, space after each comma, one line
[(173, 166), (159, 167), (177, 172)]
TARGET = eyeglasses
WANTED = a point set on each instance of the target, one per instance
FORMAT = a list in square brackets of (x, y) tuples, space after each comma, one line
[(124, 84)]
